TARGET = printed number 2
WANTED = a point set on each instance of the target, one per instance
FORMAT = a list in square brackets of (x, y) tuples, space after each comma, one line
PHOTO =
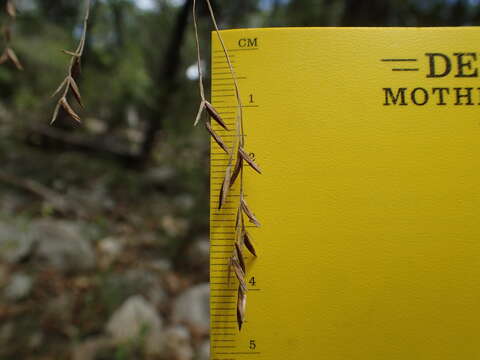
[(253, 345)]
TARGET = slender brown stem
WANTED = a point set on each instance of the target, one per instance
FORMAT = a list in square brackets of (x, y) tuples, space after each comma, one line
[(197, 44)]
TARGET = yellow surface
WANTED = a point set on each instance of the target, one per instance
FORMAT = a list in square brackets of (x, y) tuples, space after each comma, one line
[(369, 246)]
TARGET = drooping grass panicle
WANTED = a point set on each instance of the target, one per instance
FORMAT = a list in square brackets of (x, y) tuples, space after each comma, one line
[(233, 172), (8, 55), (69, 85)]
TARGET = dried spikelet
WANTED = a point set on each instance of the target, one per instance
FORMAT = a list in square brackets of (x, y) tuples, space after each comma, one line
[(239, 254), (249, 160), (55, 113), (248, 243), (13, 58), (225, 187), (241, 307), (216, 137), (239, 273), (238, 219), (215, 115), (236, 170), (248, 212), (205, 105), (199, 113), (70, 53), (60, 87), (10, 9), (9, 55), (76, 91), (66, 106)]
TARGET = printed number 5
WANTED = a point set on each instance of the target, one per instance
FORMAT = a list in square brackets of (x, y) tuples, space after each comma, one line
[(253, 345)]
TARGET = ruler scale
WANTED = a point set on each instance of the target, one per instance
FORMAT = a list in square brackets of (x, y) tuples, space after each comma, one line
[(227, 343), (369, 248)]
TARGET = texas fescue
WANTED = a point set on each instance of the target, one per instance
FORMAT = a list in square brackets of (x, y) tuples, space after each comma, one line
[(233, 173), (69, 85)]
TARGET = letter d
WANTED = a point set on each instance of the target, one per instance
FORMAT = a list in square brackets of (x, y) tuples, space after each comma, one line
[(434, 59)]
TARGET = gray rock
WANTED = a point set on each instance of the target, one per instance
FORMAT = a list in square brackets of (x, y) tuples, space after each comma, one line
[(18, 288), (15, 242), (89, 349), (177, 344), (135, 319), (204, 351), (60, 244), (193, 309)]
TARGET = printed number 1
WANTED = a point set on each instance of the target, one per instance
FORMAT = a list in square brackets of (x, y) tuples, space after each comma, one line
[(251, 99)]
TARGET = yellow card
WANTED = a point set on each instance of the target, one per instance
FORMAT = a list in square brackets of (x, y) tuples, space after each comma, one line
[(369, 142)]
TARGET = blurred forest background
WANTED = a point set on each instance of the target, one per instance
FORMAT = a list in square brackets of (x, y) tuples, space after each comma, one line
[(104, 225)]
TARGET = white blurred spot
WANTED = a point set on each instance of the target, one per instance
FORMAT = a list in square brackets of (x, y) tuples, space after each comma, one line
[(149, 5), (146, 4), (192, 71)]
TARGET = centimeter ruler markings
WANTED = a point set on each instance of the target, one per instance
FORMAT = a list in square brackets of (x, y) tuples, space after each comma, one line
[(227, 343)]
